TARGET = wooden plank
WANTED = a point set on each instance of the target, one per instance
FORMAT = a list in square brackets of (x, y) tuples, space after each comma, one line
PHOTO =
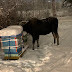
[(10, 58), (23, 50)]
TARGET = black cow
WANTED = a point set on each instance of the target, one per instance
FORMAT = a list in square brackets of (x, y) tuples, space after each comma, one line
[(37, 27)]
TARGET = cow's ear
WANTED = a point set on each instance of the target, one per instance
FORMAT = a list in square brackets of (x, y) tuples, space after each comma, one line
[(23, 23)]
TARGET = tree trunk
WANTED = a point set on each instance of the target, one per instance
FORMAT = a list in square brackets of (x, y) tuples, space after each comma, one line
[(53, 8)]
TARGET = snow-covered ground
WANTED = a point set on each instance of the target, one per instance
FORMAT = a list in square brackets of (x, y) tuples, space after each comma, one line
[(48, 57)]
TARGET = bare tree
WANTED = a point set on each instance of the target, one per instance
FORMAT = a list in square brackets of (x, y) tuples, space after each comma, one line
[(53, 8)]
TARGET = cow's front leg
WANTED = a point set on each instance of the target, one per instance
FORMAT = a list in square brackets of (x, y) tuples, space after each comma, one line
[(37, 42), (33, 43)]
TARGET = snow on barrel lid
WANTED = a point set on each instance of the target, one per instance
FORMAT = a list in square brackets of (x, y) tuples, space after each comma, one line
[(11, 30)]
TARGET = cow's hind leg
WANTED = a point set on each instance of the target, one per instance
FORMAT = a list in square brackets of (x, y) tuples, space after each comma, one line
[(56, 36)]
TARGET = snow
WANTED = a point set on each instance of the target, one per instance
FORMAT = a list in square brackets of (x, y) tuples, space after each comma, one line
[(11, 30)]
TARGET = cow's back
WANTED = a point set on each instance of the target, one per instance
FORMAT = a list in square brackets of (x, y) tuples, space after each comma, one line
[(44, 26)]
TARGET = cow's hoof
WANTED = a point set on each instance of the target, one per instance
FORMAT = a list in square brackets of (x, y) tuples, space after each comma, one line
[(57, 43), (37, 46), (32, 49)]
